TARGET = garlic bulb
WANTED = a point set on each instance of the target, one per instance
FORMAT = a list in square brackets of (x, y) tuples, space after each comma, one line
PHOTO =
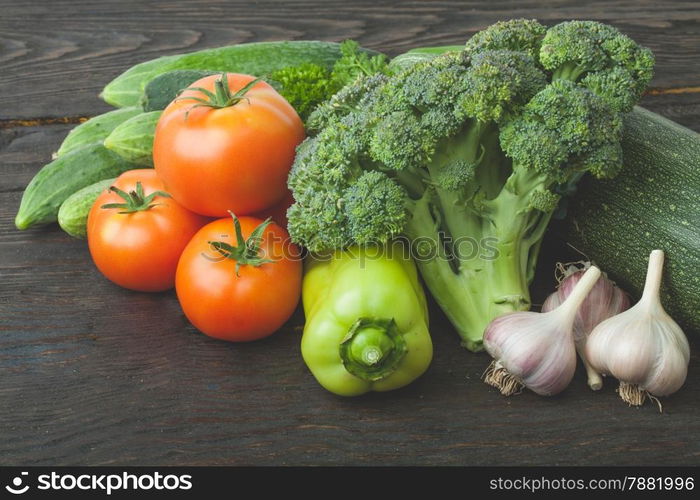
[(536, 350), (604, 300), (642, 347)]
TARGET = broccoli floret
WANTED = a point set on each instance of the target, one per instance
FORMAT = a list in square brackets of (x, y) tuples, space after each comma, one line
[(561, 126), (523, 35), (456, 175), (304, 86), (468, 148), (544, 200), (498, 83), (399, 141), (600, 58), (376, 208), (351, 96), (308, 85)]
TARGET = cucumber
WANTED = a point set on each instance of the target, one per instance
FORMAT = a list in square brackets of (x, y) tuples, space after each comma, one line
[(420, 54), (160, 91), (73, 213), (95, 129), (56, 181), (255, 58), (653, 203), (133, 139)]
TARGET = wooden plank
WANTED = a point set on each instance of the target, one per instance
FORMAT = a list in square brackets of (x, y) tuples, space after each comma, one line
[(98, 375), (94, 374), (23, 150), (57, 55), (683, 108)]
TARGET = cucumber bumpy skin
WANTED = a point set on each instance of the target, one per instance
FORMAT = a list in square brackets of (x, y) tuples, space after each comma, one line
[(57, 180), (73, 213), (95, 129), (257, 58), (164, 88), (133, 139)]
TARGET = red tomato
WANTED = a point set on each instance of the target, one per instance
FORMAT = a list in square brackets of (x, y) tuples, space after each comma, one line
[(232, 158), (230, 300), (139, 250)]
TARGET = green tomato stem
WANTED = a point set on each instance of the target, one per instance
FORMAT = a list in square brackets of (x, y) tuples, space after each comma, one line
[(134, 201), (222, 97), (246, 252)]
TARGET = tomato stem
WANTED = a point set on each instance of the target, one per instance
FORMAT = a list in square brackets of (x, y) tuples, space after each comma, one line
[(246, 252), (135, 200), (222, 97)]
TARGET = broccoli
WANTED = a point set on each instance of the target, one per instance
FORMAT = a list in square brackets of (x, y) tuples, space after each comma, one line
[(469, 149), (309, 84), (600, 58), (304, 86)]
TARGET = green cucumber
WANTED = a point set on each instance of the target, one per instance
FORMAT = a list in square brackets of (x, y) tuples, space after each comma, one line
[(56, 181), (160, 91), (421, 54), (257, 58), (653, 203), (73, 213), (133, 139), (95, 129)]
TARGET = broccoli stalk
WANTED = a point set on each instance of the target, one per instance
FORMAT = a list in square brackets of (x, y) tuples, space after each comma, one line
[(464, 155), (487, 285)]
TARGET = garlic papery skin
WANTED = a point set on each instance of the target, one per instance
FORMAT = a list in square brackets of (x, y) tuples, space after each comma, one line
[(643, 347), (604, 301), (536, 350)]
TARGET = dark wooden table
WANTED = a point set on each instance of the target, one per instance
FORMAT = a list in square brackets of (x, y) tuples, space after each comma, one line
[(93, 374)]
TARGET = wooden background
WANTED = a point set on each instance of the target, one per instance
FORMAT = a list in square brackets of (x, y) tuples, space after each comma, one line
[(93, 374)]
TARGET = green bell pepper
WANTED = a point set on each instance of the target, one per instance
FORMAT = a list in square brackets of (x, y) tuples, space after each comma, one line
[(366, 320)]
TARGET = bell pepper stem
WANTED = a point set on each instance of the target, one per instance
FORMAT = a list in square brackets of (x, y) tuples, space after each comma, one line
[(372, 348)]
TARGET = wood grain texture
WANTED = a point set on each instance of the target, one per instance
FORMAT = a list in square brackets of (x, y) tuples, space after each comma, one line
[(93, 374), (57, 55)]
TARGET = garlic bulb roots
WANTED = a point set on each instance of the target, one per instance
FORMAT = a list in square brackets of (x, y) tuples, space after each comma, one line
[(536, 350), (643, 347)]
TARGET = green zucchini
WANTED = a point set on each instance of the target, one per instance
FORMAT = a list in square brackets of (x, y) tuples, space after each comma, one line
[(133, 139), (95, 129), (73, 213), (255, 58), (653, 203), (160, 91), (64, 176)]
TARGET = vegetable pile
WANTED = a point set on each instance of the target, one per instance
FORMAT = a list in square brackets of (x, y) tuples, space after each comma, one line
[(470, 148), (448, 161)]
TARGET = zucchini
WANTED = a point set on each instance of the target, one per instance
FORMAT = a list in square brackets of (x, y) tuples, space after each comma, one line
[(56, 181), (255, 58), (160, 91), (133, 139), (73, 213), (653, 203), (95, 129)]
